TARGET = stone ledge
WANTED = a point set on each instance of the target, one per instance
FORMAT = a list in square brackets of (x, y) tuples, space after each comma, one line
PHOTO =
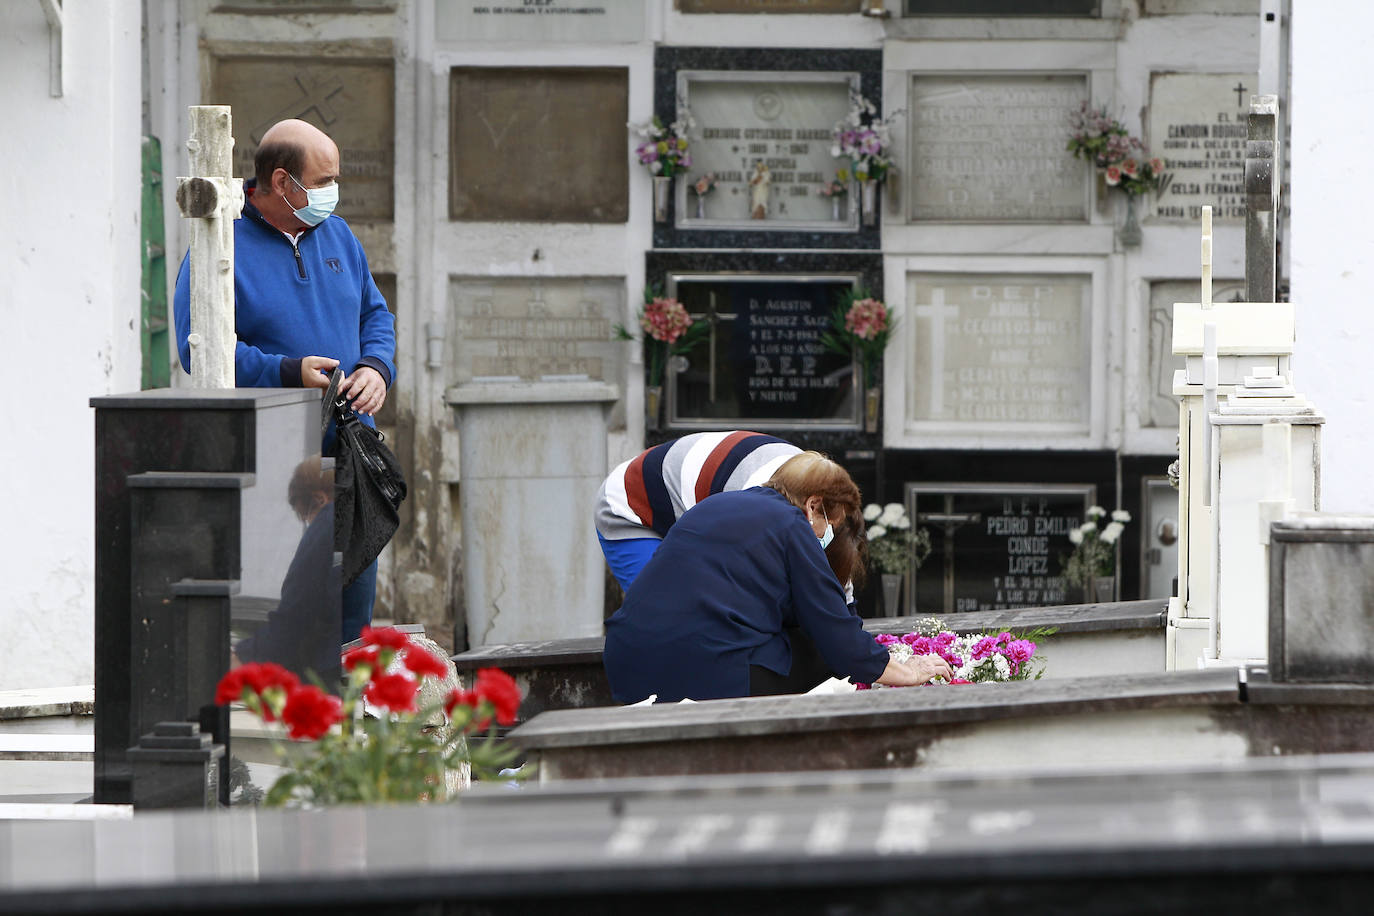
[(876, 709), (47, 701)]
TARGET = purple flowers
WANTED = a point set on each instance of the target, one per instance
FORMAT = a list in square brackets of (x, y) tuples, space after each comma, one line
[(974, 658)]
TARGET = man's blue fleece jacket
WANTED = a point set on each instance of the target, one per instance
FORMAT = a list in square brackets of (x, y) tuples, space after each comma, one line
[(314, 298)]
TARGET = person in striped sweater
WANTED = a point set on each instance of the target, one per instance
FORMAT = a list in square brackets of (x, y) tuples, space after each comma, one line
[(643, 497)]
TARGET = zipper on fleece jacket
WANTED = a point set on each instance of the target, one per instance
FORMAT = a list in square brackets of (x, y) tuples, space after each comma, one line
[(300, 265)]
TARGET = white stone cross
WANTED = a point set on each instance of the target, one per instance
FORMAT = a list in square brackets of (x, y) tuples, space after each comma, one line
[(212, 200)]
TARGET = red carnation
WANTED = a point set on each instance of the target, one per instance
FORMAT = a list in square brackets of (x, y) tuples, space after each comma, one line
[(423, 662), (499, 689), (458, 697), (310, 712), (362, 655), (386, 637), (256, 679), (395, 692)]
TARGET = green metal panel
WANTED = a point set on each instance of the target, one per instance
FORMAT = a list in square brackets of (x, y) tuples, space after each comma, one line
[(156, 356)]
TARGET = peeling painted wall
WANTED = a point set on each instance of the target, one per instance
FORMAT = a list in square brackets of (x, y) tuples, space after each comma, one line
[(69, 305)]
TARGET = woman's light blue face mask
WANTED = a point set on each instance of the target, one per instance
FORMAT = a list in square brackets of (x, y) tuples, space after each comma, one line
[(319, 202), (828, 535)]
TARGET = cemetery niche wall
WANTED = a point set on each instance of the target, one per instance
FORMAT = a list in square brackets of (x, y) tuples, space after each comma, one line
[(771, 106), (1197, 124)]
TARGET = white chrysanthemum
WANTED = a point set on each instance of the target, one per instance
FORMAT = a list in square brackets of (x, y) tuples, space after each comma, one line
[(1095, 512), (1088, 527), (1121, 515), (875, 532), (1112, 532), (1001, 666), (902, 523), (656, 166), (891, 512), (872, 511), (1076, 536)]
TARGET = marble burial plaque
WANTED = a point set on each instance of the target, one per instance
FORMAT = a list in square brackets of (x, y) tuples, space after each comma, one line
[(539, 144), (782, 119), (528, 329), (1201, 7), (351, 100), (995, 546), (769, 6), (762, 362), (1003, 8), (1158, 405), (540, 20), (991, 148), (999, 354), (1198, 126)]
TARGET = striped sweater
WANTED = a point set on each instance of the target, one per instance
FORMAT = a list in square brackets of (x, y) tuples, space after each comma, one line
[(644, 496)]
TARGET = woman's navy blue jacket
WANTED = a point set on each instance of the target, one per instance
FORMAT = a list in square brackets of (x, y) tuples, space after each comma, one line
[(731, 574)]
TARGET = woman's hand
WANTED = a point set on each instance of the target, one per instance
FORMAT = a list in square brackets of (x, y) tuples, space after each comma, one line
[(918, 670)]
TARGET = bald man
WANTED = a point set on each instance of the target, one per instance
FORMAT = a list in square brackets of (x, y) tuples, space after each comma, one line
[(304, 298)]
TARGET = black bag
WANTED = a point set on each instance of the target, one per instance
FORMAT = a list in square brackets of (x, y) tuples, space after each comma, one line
[(369, 486)]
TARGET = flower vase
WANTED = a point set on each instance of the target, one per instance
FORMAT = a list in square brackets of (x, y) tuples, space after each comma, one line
[(1130, 233), (1104, 589), (868, 193), (663, 186), (892, 593), (835, 213), (653, 398), (872, 400), (701, 206)]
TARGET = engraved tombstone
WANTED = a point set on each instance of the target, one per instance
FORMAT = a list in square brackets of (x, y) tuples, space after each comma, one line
[(769, 6), (532, 329), (598, 21), (1197, 125), (761, 363), (352, 100), (1000, 353), (539, 144), (1158, 403), (783, 120), (991, 148), (994, 545)]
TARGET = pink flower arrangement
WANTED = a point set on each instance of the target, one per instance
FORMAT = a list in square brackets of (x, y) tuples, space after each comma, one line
[(703, 185), (866, 319), (668, 328), (1102, 140), (864, 139), (664, 319), (862, 324), (974, 659)]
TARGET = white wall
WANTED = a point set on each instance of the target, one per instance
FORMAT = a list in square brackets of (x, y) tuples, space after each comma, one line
[(69, 306), (1332, 262)]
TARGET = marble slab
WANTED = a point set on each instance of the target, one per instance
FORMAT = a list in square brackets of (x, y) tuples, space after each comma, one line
[(1197, 125)]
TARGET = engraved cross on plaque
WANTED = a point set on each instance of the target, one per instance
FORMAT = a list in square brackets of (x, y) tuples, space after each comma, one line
[(937, 312)]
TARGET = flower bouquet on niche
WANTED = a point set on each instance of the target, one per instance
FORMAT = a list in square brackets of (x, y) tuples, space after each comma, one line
[(974, 658), (1094, 548), (864, 139), (668, 331), (663, 150), (410, 744), (1098, 138), (893, 545), (860, 324)]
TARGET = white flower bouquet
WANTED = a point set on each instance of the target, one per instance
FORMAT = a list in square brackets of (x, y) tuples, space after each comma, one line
[(893, 545)]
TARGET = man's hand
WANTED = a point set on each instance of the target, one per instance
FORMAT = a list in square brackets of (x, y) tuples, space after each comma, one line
[(315, 371), (366, 389), (918, 670)]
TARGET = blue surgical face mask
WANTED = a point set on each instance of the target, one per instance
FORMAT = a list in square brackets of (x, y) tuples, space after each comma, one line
[(319, 202), (828, 536)]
